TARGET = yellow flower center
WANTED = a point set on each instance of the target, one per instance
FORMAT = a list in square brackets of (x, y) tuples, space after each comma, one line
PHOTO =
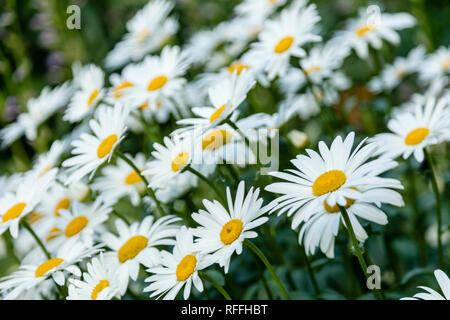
[(400, 73), (64, 204), (14, 212), (118, 89), (47, 266), (231, 231), (53, 233), (34, 217), (180, 160), (131, 248), (311, 69), (216, 115), (143, 106), (362, 30), (157, 83), (75, 226), (132, 178), (335, 208), (328, 182), (106, 145), (142, 35), (416, 136), (44, 171), (216, 139), (186, 267), (92, 97), (102, 284), (238, 67), (283, 45), (446, 63)]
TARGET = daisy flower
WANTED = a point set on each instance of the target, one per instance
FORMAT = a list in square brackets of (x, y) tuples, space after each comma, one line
[(179, 268), (431, 294), (284, 37), (223, 232), (159, 76), (136, 244), (147, 32), (50, 159), (90, 151), (370, 28), (80, 222), (38, 111), (336, 176), (257, 9), (393, 74), (436, 65), (169, 160), (412, 131), (121, 180), (100, 282), (14, 205), (225, 98), (89, 81), (34, 273)]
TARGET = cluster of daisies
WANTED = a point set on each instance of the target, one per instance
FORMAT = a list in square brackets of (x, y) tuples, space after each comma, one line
[(61, 214)]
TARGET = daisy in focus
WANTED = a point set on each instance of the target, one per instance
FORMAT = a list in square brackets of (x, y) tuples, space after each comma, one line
[(100, 282), (336, 176), (428, 123), (225, 97), (222, 232), (179, 268), (284, 37), (431, 294), (89, 81), (90, 151), (121, 181), (34, 273), (135, 245)]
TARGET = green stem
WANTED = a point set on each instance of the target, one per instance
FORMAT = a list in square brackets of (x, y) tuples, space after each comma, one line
[(219, 288), (209, 182), (355, 243), (149, 190), (121, 217), (10, 247), (438, 207), (269, 267), (38, 241)]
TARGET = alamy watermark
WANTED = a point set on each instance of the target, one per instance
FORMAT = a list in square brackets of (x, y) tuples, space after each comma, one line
[(73, 21)]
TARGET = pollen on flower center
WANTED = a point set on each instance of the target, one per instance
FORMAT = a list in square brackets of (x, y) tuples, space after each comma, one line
[(446, 63), (14, 212), (64, 203), (53, 233), (157, 83), (132, 178), (216, 139), (311, 69), (335, 208), (106, 145), (75, 226), (328, 182), (34, 216), (92, 97), (102, 284), (416, 136), (142, 35), (131, 248), (44, 171), (284, 44), (362, 30), (231, 231), (216, 115), (47, 266), (118, 89), (180, 160), (186, 267), (238, 67)]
